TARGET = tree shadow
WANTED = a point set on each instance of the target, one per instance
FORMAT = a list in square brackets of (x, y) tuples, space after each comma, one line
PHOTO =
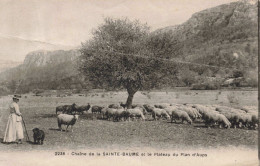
[(54, 129)]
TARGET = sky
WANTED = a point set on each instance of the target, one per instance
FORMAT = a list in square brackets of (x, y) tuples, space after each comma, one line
[(28, 25)]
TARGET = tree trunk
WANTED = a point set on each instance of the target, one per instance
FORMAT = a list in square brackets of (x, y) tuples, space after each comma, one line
[(129, 100)]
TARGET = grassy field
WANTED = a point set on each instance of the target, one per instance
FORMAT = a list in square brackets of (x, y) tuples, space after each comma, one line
[(40, 112)]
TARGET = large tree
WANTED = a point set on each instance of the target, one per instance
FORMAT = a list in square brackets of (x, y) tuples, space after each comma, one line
[(118, 57)]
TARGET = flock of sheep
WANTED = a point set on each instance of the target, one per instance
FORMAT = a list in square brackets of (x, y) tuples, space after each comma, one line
[(211, 115)]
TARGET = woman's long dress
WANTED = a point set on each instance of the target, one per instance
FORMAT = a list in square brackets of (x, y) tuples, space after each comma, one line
[(14, 128)]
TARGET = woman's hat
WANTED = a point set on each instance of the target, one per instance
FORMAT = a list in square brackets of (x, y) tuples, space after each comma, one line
[(16, 97)]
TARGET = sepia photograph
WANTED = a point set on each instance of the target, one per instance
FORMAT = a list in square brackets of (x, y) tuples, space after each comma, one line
[(129, 82)]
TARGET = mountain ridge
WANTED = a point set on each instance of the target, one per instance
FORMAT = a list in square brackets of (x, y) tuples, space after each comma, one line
[(224, 36)]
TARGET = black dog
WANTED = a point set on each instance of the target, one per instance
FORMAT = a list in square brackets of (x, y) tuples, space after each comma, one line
[(38, 136)]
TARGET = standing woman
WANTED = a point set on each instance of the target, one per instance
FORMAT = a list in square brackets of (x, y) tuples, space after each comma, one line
[(14, 128)]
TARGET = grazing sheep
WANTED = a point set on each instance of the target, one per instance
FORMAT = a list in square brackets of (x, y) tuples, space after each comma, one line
[(122, 104), (136, 112), (192, 112), (157, 113), (162, 105), (110, 112), (212, 117), (254, 122), (66, 109), (249, 121), (81, 109), (223, 121), (59, 109), (104, 112), (233, 119), (239, 118), (134, 106), (120, 113), (115, 106), (96, 109), (148, 108), (65, 119), (203, 109), (141, 108), (170, 109), (137, 105), (249, 109), (180, 115)]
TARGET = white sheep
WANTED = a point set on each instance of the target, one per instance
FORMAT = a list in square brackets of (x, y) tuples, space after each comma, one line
[(148, 108), (170, 109), (65, 119), (162, 105), (119, 114), (192, 112), (110, 112), (222, 121), (157, 112), (182, 115), (136, 112), (104, 112)]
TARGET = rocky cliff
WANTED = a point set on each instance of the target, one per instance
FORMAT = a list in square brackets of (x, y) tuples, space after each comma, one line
[(45, 70), (42, 58), (213, 36)]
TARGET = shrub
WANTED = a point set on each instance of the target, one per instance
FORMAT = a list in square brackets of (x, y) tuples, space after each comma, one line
[(208, 85), (198, 87), (251, 78)]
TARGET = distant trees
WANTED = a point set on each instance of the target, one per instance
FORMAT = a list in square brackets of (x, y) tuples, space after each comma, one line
[(37, 92), (12, 85)]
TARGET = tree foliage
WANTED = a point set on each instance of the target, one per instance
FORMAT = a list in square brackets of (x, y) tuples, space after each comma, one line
[(118, 57)]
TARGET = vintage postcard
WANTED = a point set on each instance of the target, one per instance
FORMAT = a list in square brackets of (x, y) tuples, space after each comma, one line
[(129, 82)]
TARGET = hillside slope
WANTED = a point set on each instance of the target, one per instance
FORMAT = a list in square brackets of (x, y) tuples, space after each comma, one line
[(224, 37), (44, 70)]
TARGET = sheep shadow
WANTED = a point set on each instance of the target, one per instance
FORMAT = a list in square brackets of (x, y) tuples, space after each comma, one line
[(175, 122), (149, 119), (55, 129), (201, 126)]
